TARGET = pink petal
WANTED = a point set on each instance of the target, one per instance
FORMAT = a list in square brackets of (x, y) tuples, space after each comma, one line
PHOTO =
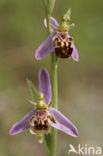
[(53, 22), (46, 47), (44, 85), (63, 124), (23, 124), (75, 55)]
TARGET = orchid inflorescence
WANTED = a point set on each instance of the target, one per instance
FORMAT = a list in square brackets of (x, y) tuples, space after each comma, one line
[(40, 120)]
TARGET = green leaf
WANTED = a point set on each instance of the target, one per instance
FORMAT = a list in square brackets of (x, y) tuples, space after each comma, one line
[(33, 91)]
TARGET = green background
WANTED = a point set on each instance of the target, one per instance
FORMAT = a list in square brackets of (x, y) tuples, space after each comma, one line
[(80, 84)]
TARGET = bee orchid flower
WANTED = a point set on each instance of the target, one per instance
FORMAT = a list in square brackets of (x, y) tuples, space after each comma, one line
[(59, 40), (40, 119)]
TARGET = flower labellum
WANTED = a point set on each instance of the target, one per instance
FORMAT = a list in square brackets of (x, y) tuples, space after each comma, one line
[(63, 45), (63, 42), (41, 121)]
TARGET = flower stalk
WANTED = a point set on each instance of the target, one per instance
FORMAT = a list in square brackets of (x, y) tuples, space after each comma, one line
[(54, 68)]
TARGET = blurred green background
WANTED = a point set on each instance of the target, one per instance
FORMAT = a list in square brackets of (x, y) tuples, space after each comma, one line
[(80, 84)]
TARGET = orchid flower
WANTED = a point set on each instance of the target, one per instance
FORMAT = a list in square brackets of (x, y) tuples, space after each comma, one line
[(59, 40), (40, 119)]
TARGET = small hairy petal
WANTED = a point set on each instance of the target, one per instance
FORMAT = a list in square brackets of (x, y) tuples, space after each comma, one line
[(53, 22), (45, 85), (75, 55), (23, 124), (46, 47), (63, 124)]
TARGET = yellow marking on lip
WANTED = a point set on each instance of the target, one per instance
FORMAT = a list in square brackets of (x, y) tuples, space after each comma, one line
[(62, 44), (66, 43), (31, 131)]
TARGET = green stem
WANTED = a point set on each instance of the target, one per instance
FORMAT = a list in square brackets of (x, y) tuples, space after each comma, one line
[(54, 101), (54, 68), (48, 23), (53, 138)]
